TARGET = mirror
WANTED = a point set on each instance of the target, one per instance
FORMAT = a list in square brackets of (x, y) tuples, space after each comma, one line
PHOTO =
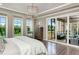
[(74, 30), (61, 29)]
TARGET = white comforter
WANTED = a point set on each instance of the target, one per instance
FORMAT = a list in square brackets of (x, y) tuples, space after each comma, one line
[(24, 46), (16, 47), (11, 48), (37, 47)]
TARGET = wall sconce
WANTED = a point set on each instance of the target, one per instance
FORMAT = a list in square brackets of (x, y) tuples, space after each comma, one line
[(40, 24)]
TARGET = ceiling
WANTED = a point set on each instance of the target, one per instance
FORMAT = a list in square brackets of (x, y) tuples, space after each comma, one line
[(22, 7)]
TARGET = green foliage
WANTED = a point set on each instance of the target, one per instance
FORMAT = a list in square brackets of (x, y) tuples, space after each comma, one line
[(17, 30), (2, 30), (51, 28), (29, 30)]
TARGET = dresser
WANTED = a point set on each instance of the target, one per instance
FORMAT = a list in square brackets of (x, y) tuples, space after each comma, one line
[(39, 33)]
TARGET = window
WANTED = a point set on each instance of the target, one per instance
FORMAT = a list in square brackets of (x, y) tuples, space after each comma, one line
[(29, 26), (51, 29), (17, 26), (2, 26)]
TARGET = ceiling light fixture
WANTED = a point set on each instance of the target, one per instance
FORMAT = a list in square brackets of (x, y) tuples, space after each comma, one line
[(32, 10)]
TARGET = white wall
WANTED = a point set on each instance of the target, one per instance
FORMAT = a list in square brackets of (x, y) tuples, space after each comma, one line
[(41, 22)]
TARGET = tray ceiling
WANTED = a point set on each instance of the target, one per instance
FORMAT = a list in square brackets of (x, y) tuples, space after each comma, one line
[(22, 7)]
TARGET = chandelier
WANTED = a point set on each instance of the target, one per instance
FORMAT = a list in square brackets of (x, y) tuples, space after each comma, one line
[(32, 10)]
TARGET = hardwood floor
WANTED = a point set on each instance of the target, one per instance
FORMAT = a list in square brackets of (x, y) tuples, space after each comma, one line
[(58, 49)]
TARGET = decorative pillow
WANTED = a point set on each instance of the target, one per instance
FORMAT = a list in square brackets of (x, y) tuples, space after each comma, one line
[(4, 41), (2, 46)]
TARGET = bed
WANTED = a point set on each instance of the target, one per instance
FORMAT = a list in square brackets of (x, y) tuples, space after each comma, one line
[(23, 45)]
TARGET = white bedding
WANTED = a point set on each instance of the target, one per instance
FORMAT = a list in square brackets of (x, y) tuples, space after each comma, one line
[(11, 49), (15, 46), (37, 47), (24, 46)]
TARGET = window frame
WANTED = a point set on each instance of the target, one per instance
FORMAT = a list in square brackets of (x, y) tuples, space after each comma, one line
[(32, 26), (6, 23), (21, 19)]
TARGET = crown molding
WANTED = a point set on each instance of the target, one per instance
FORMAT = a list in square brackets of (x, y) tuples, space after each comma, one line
[(53, 8), (9, 9), (57, 9)]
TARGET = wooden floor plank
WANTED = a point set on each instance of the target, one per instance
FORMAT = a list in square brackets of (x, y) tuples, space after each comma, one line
[(59, 49)]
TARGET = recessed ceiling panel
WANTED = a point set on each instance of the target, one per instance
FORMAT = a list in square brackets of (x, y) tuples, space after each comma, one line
[(22, 7)]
